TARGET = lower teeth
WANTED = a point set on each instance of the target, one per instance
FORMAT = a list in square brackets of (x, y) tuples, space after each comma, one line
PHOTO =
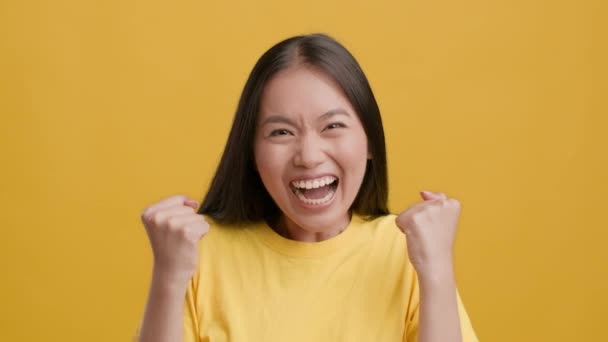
[(318, 201)]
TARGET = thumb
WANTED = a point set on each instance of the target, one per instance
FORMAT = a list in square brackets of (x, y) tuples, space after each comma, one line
[(191, 203), (428, 196)]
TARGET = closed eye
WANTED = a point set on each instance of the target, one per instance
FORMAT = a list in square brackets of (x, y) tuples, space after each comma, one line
[(278, 132), (336, 125)]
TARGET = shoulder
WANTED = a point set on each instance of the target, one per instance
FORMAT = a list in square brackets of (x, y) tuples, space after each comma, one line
[(384, 223), (386, 247), (222, 240), (382, 229), (219, 229), (383, 220), (226, 234)]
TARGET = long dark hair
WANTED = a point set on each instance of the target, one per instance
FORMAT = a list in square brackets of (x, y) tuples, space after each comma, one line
[(236, 194)]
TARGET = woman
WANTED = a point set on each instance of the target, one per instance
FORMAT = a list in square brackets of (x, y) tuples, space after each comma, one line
[(294, 241)]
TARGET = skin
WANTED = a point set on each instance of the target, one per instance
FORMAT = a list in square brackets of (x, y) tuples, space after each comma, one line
[(296, 139), (300, 142), (430, 229), (174, 229)]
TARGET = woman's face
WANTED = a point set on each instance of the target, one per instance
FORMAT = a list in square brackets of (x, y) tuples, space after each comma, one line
[(310, 150)]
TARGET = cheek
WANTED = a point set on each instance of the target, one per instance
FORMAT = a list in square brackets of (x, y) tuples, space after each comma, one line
[(353, 154), (269, 162)]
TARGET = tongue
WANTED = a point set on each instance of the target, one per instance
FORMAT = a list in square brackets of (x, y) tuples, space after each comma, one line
[(316, 193)]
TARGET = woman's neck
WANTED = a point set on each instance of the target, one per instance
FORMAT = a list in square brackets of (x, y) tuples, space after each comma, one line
[(291, 230)]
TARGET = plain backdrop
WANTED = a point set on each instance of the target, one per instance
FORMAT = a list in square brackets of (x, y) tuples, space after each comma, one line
[(109, 106)]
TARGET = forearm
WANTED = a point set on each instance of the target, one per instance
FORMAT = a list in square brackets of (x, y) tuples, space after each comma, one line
[(439, 319), (163, 317)]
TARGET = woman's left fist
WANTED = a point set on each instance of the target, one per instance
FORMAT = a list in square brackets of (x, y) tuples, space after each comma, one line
[(430, 229)]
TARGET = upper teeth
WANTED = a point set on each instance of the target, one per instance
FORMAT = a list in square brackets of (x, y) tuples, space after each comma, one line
[(313, 183)]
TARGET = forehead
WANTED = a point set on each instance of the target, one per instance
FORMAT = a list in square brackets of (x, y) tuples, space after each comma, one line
[(302, 91)]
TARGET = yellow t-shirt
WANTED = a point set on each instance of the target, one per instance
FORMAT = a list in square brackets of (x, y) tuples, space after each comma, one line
[(255, 285)]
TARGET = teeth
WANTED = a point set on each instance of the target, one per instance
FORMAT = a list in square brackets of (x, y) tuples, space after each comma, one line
[(313, 184), (319, 201)]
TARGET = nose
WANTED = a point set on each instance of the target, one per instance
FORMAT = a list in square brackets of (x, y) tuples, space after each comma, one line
[(309, 152)]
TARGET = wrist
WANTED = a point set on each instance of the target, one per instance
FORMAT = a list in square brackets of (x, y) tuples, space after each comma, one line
[(438, 273), (169, 282)]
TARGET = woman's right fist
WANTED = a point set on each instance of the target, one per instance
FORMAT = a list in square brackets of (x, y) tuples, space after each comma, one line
[(174, 230)]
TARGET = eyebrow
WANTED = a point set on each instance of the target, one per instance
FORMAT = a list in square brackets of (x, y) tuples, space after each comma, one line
[(284, 119)]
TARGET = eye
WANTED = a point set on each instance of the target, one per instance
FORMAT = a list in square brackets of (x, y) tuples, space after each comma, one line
[(278, 132), (336, 125)]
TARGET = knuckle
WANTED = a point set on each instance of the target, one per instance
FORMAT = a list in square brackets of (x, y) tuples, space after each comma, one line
[(198, 229), (404, 217), (180, 197), (173, 222), (144, 215), (201, 220), (156, 218), (416, 217), (171, 230), (184, 233), (434, 207)]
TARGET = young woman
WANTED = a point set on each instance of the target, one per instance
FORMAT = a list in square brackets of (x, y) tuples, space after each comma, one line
[(294, 240)]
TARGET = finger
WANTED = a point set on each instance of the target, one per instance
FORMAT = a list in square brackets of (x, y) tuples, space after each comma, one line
[(161, 216), (402, 223), (403, 219), (191, 203), (182, 220), (419, 206), (172, 201), (399, 223), (429, 196), (454, 203), (196, 230), (405, 215)]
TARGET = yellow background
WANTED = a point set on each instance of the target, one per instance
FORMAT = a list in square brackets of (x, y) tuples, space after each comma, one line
[(109, 106)]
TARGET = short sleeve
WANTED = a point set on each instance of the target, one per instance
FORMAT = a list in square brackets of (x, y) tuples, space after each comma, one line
[(412, 319), (137, 331), (191, 329)]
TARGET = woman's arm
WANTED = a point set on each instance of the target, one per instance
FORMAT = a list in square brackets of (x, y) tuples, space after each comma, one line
[(163, 317), (430, 229), (439, 319), (174, 230)]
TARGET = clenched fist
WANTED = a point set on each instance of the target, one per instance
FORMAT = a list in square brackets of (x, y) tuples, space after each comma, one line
[(174, 230), (430, 229)]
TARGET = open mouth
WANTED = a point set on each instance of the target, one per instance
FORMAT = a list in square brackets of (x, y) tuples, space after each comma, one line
[(317, 191)]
